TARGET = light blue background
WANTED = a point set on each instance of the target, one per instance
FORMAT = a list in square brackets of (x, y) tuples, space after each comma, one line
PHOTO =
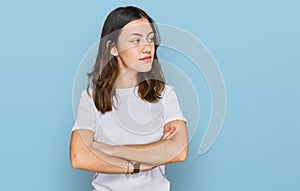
[(256, 44)]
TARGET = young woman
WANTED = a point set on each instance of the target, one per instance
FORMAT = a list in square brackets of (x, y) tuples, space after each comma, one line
[(129, 123)]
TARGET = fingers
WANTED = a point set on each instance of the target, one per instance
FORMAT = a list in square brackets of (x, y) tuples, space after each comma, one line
[(169, 133), (169, 129)]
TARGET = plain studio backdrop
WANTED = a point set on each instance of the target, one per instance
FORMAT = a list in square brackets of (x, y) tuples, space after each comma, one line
[(255, 43)]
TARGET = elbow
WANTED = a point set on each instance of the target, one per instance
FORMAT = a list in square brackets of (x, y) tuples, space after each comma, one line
[(79, 151), (183, 155), (182, 158), (178, 155), (74, 161)]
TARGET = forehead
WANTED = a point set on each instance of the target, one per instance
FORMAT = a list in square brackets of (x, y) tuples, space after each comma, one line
[(141, 26)]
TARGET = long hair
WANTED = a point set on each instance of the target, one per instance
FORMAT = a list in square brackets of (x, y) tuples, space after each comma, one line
[(106, 69)]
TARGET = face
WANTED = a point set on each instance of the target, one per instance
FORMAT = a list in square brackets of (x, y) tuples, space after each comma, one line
[(135, 48)]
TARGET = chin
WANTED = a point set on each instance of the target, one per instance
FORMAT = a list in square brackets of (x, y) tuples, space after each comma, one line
[(145, 67)]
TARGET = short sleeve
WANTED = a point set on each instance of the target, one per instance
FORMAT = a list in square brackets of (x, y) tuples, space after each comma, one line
[(86, 113), (172, 110)]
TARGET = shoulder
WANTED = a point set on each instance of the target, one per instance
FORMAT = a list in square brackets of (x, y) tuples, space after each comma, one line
[(168, 92), (87, 94), (168, 87), (87, 99)]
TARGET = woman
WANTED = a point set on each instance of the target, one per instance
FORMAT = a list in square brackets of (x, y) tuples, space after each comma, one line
[(129, 123)]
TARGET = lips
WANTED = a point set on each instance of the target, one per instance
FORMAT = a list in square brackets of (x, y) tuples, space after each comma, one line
[(146, 59)]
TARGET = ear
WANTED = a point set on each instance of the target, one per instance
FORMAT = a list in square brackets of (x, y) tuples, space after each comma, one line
[(114, 51), (113, 48)]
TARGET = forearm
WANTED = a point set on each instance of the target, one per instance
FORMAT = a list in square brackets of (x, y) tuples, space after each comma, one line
[(97, 161), (161, 152), (84, 157), (156, 153), (142, 153), (104, 163)]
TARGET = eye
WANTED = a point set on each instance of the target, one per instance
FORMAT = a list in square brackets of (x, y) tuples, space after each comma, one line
[(150, 40), (135, 41)]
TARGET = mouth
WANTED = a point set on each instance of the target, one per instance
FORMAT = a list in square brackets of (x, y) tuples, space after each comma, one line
[(146, 59)]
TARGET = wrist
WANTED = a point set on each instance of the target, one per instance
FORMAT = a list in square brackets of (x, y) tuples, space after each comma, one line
[(130, 167), (133, 167), (136, 168)]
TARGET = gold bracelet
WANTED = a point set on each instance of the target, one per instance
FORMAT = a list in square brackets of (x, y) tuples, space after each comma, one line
[(127, 167), (129, 162)]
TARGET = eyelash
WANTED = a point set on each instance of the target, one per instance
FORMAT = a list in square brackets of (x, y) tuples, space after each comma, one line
[(151, 39), (136, 41)]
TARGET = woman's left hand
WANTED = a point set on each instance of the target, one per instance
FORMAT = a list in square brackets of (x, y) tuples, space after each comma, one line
[(169, 132)]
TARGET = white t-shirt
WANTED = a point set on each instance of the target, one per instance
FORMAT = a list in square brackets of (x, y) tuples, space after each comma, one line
[(133, 121)]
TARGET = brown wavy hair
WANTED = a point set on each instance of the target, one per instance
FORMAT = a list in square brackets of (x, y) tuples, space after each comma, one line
[(106, 69)]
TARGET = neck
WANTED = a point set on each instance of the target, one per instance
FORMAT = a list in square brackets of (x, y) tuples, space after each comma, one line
[(126, 79)]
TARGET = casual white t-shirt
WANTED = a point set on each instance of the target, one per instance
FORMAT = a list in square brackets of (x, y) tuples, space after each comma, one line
[(133, 121)]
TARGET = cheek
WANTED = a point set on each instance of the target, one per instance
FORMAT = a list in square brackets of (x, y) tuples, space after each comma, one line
[(152, 50), (130, 54), (123, 47)]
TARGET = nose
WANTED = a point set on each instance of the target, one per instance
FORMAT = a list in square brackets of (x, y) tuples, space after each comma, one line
[(146, 47)]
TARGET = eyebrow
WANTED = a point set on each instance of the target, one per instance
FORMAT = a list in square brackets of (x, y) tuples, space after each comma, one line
[(138, 34)]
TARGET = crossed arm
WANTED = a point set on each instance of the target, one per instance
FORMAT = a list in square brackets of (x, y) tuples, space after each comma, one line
[(167, 150), (99, 157)]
